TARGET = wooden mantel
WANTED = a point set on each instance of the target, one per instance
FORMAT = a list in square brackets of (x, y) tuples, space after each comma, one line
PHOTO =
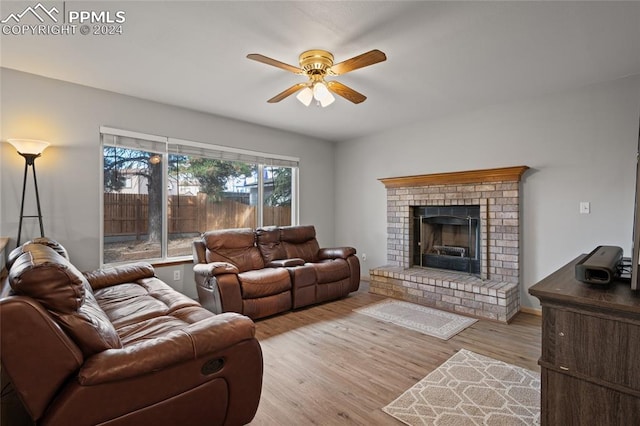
[(504, 174)]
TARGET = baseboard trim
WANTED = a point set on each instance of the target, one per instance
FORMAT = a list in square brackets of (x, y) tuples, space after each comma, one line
[(532, 311)]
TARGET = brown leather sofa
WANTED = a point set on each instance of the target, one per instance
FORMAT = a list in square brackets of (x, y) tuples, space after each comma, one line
[(270, 270), (118, 346)]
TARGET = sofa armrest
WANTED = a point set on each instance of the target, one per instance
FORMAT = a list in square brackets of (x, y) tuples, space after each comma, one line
[(286, 263), (336, 253), (36, 354), (214, 268), (114, 275), (218, 286), (195, 341)]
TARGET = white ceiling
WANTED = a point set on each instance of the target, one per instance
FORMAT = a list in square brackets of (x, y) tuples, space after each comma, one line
[(443, 57)]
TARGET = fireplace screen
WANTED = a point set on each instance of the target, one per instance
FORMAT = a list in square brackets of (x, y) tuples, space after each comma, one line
[(447, 238)]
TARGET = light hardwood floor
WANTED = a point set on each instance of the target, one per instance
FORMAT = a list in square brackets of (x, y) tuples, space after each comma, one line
[(327, 365)]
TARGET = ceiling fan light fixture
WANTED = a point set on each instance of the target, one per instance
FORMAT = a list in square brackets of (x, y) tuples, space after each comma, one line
[(316, 64), (327, 100), (320, 91), (305, 96), (321, 94)]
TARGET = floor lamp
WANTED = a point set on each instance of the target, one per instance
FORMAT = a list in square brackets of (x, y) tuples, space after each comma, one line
[(30, 149)]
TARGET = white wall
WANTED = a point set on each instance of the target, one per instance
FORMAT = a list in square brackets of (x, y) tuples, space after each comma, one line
[(69, 116), (580, 145)]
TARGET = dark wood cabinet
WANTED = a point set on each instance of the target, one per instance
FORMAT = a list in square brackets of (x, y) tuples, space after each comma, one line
[(590, 363)]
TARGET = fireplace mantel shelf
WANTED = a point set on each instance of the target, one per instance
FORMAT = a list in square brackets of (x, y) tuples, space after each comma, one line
[(503, 174)]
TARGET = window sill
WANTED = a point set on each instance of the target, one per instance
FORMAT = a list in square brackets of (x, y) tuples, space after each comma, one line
[(171, 262), (156, 263)]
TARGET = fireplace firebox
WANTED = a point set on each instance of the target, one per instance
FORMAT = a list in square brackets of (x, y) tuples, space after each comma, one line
[(446, 237)]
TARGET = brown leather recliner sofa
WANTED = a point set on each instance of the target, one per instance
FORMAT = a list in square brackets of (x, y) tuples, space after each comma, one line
[(117, 346), (270, 270)]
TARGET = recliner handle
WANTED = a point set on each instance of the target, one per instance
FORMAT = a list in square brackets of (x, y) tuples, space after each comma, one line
[(212, 366)]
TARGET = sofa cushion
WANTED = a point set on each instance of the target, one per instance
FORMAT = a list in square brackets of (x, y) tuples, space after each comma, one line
[(16, 252), (264, 282), (129, 303), (236, 246), (331, 270), (90, 328), (151, 328), (43, 274), (138, 301), (268, 241), (300, 241), (109, 276), (297, 234)]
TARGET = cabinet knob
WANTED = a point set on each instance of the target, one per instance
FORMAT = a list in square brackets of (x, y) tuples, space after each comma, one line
[(561, 334)]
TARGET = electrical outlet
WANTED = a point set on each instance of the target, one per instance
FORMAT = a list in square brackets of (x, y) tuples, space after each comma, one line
[(176, 275), (364, 257)]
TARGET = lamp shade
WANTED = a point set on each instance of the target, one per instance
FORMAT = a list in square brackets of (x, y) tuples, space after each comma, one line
[(322, 94), (327, 100), (305, 96), (320, 91), (28, 146)]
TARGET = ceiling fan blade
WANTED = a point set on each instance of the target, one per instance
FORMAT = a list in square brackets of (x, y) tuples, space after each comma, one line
[(288, 92), (346, 92), (360, 61), (269, 61)]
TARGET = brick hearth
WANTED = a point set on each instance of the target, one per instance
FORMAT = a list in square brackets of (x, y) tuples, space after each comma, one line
[(495, 293)]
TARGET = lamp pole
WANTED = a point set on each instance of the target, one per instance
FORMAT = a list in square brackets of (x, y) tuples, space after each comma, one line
[(29, 161), (29, 149)]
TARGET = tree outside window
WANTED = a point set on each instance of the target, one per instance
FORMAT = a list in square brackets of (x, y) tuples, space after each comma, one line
[(201, 194)]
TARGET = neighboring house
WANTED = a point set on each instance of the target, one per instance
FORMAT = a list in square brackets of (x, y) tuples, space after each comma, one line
[(183, 186), (136, 183)]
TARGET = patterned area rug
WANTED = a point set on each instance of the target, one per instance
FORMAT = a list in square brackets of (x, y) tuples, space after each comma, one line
[(433, 322), (471, 389)]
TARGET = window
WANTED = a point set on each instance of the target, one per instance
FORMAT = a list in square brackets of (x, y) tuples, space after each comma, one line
[(277, 187), (161, 193)]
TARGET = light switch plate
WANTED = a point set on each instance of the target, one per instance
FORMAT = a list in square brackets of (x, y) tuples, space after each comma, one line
[(585, 207)]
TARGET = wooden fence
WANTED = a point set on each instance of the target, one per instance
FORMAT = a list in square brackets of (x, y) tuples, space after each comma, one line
[(127, 214)]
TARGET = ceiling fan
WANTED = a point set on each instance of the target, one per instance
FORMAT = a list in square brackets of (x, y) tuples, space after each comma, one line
[(316, 65)]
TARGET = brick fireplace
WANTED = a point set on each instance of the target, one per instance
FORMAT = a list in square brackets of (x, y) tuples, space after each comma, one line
[(493, 291)]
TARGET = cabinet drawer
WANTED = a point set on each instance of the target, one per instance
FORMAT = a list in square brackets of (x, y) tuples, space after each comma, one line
[(570, 401), (602, 348)]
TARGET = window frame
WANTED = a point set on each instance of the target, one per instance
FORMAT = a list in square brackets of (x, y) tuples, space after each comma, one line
[(227, 153)]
